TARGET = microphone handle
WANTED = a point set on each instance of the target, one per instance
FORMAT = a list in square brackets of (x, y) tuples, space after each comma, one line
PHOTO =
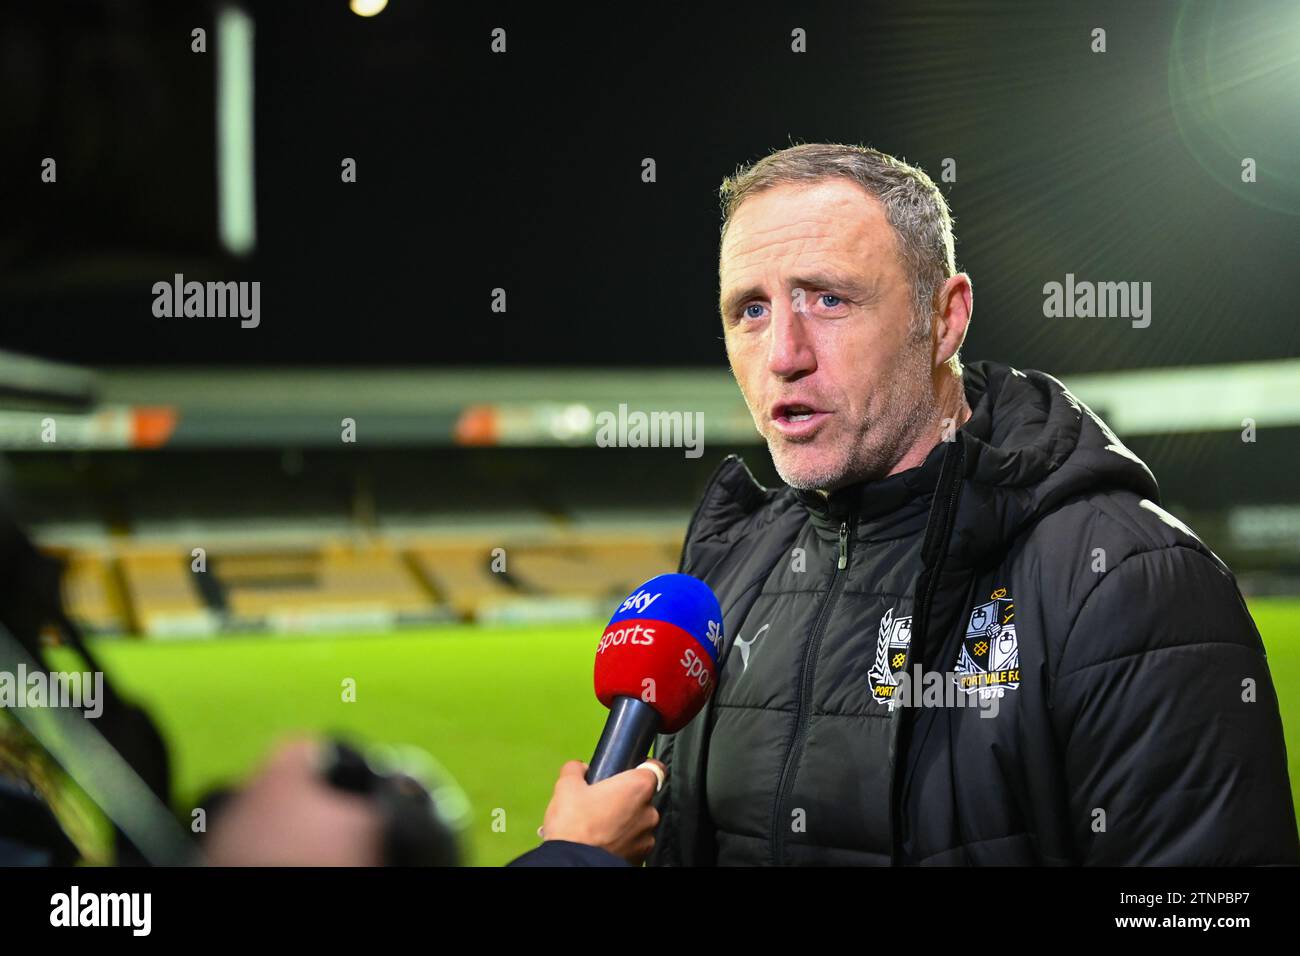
[(629, 732)]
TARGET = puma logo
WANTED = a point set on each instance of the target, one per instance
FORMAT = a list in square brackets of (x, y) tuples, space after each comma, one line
[(745, 645)]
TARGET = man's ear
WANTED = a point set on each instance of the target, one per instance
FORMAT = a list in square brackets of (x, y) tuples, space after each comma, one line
[(952, 317)]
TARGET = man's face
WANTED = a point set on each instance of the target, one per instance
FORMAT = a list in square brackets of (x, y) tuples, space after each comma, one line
[(816, 313)]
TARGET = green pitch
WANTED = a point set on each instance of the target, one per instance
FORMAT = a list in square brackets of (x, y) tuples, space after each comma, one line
[(500, 708)]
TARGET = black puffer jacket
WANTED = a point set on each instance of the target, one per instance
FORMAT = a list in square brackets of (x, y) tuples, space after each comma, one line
[(1027, 561)]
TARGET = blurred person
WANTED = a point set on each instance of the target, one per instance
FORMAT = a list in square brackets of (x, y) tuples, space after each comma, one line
[(318, 803), (290, 815), (40, 822), (1101, 694), (47, 816), (295, 813)]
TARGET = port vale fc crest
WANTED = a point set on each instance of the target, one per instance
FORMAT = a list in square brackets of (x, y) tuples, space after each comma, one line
[(989, 660), (892, 644)]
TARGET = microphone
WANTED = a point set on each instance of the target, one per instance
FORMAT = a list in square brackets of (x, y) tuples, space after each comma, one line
[(656, 665)]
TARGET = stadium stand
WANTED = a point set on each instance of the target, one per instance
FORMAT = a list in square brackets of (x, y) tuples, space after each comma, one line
[(161, 594), (162, 590), (90, 593)]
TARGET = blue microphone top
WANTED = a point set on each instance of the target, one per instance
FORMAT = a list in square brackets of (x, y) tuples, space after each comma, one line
[(681, 600)]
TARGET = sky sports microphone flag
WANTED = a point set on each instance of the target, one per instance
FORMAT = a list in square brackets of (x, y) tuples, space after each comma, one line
[(656, 664)]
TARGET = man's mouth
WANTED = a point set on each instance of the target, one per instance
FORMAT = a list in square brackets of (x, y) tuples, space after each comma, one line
[(797, 419)]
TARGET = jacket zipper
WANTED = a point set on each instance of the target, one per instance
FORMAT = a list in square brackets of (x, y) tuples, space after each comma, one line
[(920, 634), (801, 715)]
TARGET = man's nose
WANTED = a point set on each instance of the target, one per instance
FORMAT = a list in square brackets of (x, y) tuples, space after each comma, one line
[(790, 351)]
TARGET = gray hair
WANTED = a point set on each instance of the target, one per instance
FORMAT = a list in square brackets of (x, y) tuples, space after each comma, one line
[(913, 205)]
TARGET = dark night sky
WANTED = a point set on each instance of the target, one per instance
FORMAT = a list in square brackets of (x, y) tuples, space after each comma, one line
[(523, 171)]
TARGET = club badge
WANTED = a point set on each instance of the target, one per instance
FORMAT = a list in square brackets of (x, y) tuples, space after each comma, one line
[(892, 643), (989, 661)]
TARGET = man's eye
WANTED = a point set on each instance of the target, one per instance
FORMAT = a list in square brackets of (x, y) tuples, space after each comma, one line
[(746, 313), (827, 295)]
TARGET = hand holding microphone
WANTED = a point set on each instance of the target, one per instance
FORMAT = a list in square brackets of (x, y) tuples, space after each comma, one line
[(656, 665), (614, 814)]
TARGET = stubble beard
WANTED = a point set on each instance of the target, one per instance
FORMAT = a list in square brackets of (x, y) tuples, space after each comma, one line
[(874, 448)]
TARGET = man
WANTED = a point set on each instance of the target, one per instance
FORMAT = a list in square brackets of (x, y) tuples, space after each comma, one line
[(1100, 693)]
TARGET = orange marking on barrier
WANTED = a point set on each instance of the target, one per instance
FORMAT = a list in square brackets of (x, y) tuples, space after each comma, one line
[(477, 425), (152, 426)]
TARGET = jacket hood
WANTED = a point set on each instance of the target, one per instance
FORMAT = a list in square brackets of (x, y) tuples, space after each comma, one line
[(1029, 446)]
